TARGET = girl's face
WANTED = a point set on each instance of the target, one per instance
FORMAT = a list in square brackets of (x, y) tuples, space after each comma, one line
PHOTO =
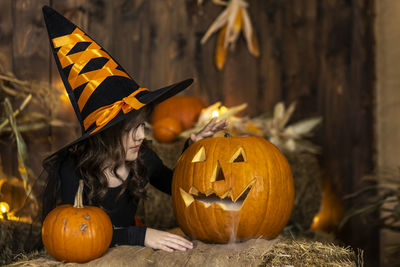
[(132, 140)]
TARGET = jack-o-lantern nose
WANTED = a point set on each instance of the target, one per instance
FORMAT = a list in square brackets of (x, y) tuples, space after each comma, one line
[(218, 174), (219, 184)]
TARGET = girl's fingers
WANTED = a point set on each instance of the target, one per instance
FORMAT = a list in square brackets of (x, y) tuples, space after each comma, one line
[(166, 248), (220, 125), (176, 246), (180, 241), (211, 122), (166, 241), (172, 245), (207, 134), (193, 137), (210, 129)]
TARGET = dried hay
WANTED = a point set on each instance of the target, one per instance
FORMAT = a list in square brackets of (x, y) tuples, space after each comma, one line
[(304, 252), (308, 192), (17, 238), (255, 252), (157, 210)]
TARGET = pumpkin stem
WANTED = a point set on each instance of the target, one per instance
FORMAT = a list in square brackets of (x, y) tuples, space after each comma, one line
[(227, 135), (78, 197)]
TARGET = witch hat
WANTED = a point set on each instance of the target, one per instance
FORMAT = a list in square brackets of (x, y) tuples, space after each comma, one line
[(101, 92)]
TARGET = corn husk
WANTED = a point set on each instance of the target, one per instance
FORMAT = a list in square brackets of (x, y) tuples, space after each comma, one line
[(207, 114), (15, 113), (231, 22), (25, 172), (272, 127), (221, 50), (289, 137)]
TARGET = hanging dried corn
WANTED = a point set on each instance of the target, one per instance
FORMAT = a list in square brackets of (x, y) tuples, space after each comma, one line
[(231, 22)]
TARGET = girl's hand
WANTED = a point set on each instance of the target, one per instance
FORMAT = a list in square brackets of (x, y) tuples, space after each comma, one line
[(166, 241), (209, 130)]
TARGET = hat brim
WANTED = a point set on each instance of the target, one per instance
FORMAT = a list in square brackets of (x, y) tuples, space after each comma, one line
[(150, 97), (164, 93)]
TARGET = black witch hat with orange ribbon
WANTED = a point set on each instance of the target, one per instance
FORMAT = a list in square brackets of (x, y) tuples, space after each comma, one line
[(101, 92)]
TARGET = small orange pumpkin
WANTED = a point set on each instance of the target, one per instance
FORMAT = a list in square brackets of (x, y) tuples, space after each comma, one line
[(167, 129), (77, 233), (232, 188), (186, 109)]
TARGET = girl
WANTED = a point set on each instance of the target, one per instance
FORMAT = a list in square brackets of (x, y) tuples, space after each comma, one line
[(116, 164), (112, 156)]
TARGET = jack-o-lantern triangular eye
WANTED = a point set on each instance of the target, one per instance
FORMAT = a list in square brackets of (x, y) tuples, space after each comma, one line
[(200, 155), (239, 156)]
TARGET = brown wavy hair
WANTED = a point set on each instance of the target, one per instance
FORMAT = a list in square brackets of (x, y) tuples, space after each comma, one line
[(94, 155), (106, 151)]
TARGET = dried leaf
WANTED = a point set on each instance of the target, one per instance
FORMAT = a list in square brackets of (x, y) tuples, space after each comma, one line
[(290, 133), (232, 111), (358, 211), (34, 126), (307, 146), (279, 113), (249, 34), (290, 144), (383, 188), (27, 127), (15, 113), (254, 47), (234, 23), (220, 2), (302, 128), (206, 115), (23, 168), (290, 137), (11, 78), (221, 50), (253, 129), (11, 91), (287, 115), (33, 116), (234, 18), (59, 123), (237, 26), (219, 22)]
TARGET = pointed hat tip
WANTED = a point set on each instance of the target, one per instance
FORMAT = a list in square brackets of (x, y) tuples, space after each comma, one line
[(47, 10), (57, 25)]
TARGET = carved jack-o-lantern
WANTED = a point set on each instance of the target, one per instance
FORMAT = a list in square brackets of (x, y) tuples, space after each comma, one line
[(232, 188)]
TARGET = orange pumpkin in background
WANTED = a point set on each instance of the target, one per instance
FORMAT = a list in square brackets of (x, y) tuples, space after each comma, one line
[(186, 109), (167, 129), (231, 189), (331, 211), (12, 191), (77, 233)]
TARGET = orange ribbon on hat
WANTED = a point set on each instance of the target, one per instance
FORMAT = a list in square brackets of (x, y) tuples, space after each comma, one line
[(105, 114)]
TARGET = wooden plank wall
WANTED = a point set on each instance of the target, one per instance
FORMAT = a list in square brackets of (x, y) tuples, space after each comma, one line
[(320, 53), (27, 57)]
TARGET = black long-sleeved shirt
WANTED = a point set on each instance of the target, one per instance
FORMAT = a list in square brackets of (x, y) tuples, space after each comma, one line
[(121, 210)]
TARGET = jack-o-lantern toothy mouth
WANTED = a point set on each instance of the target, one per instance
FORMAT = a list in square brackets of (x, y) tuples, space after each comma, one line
[(226, 202)]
